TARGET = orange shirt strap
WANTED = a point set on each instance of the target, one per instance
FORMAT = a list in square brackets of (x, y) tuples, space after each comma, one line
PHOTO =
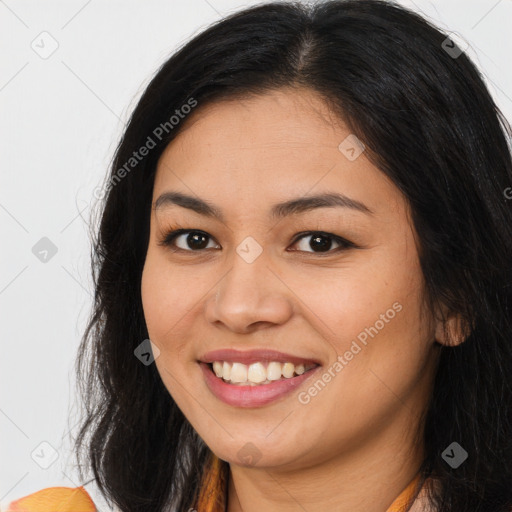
[(405, 498), (213, 488)]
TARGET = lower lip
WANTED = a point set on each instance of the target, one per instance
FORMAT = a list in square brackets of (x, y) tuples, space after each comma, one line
[(251, 396)]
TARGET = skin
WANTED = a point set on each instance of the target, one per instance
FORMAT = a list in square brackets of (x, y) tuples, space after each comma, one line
[(354, 446)]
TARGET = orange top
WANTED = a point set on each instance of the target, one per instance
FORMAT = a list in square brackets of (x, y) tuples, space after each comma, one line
[(211, 498), (55, 499)]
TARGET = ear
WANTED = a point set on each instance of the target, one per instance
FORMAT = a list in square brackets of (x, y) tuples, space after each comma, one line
[(450, 332)]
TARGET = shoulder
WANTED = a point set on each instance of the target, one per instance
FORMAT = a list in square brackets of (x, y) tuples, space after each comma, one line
[(56, 499)]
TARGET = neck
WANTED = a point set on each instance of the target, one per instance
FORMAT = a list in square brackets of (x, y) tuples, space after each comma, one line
[(368, 477)]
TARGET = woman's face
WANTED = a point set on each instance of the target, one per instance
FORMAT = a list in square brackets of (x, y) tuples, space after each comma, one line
[(260, 278)]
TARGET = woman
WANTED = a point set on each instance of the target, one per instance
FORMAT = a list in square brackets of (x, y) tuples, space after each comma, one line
[(308, 217)]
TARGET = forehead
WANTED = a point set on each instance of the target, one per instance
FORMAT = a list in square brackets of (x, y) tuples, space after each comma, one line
[(280, 144), (270, 120)]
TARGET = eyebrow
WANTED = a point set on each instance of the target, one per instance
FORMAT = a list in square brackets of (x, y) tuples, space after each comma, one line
[(280, 210)]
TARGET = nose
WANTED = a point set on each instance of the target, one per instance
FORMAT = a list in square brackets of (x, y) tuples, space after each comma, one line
[(250, 296)]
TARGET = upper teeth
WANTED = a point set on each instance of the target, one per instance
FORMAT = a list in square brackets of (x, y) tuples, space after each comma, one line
[(257, 373)]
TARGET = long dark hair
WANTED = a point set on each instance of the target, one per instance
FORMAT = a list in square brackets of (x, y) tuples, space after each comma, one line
[(429, 123)]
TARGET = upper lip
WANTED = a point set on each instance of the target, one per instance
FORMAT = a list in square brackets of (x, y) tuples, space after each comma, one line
[(254, 356)]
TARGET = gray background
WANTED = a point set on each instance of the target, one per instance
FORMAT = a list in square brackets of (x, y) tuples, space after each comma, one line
[(61, 117)]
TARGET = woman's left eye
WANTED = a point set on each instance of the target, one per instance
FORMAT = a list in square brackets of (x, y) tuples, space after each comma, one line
[(323, 241), (198, 240)]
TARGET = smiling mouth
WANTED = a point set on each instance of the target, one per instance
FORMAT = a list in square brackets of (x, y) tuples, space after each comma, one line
[(258, 373)]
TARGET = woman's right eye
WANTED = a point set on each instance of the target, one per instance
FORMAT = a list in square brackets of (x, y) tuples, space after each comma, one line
[(192, 238)]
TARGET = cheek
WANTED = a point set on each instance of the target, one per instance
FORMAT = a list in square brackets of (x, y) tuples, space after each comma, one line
[(154, 296), (343, 302), (162, 293), (371, 316), (169, 295), (376, 326), (162, 312), (162, 304)]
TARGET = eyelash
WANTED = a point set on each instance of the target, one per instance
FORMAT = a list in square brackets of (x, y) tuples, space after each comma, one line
[(168, 239)]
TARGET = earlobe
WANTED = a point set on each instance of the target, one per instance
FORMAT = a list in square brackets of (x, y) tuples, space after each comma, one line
[(451, 331)]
